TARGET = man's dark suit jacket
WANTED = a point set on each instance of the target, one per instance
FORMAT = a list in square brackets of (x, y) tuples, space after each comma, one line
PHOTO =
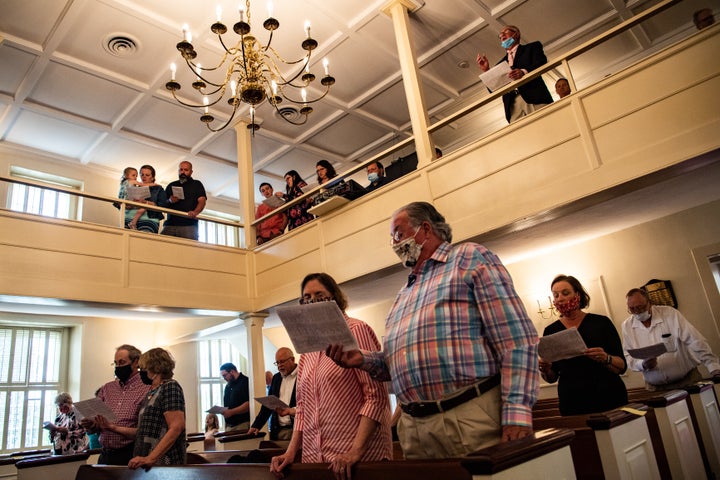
[(528, 57), (266, 413)]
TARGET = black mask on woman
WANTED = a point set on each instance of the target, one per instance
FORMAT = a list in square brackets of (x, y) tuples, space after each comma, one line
[(123, 373), (144, 377)]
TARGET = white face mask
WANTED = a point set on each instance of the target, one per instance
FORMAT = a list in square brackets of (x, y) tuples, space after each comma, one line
[(641, 317), (408, 250)]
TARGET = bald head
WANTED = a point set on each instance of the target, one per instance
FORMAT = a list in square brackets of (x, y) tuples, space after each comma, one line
[(285, 360)]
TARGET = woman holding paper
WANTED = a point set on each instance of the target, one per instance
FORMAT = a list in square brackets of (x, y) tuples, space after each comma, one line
[(342, 416), (591, 382), (66, 434)]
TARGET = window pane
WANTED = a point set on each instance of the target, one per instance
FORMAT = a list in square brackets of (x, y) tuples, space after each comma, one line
[(52, 370), (49, 200), (33, 422), (5, 349), (15, 420), (17, 200), (63, 206), (3, 403), (33, 200), (19, 369), (37, 356)]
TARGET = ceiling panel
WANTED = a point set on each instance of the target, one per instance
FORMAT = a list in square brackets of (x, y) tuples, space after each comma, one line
[(71, 90), (51, 135), (31, 21), (21, 61)]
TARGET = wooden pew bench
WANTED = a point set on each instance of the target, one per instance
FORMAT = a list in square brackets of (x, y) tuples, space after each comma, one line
[(8, 471), (51, 467), (260, 455), (543, 455), (238, 441), (704, 410), (609, 445)]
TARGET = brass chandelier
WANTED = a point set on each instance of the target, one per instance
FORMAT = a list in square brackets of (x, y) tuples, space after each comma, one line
[(249, 72)]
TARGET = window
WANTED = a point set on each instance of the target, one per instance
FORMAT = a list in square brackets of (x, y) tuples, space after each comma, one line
[(43, 201), (217, 233), (212, 354), (31, 360)]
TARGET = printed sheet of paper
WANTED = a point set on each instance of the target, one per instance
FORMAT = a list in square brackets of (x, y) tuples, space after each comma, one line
[(138, 192), (559, 346), (314, 326), (216, 409), (178, 192), (652, 351), (49, 425), (92, 408), (274, 201), (272, 402), (497, 76)]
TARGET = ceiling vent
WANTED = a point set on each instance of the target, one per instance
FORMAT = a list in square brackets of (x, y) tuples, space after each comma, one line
[(121, 45), (290, 113)]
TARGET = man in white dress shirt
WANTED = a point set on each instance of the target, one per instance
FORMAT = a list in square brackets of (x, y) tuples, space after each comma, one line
[(652, 324), (283, 387)]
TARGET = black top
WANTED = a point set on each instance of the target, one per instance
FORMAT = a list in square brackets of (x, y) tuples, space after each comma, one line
[(192, 190), (237, 392), (586, 386)]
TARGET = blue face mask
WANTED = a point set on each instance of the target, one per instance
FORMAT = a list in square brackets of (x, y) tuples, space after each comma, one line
[(373, 177), (507, 43)]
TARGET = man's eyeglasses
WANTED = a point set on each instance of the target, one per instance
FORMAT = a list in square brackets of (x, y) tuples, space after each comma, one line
[(638, 308), (282, 362), (120, 363)]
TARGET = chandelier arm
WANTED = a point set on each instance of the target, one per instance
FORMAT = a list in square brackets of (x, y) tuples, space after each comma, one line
[(185, 104), (232, 115), (194, 71)]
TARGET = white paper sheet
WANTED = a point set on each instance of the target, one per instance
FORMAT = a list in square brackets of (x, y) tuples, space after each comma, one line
[(651, 351), (497, 76), (178, 192), (93, 407), (315, 326), (272, 402), (273, 201), (559, 346), (138, 192), (216, 409)]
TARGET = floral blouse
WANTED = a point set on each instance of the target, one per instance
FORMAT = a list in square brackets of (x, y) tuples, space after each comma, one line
[(74, 441)]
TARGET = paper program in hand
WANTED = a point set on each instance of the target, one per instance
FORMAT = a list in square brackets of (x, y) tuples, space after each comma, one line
[(561, 345), (314, 326)]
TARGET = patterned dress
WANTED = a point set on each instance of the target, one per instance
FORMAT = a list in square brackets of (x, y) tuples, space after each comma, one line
[(298, 214), (74, 441), (331, 399), (167, 397)]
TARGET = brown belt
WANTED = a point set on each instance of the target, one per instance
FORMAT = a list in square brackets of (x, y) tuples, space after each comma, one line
[(423, 409)]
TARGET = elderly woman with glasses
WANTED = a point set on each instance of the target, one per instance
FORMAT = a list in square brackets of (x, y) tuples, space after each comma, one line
[(342, 416), (66, 434), (590, 382)]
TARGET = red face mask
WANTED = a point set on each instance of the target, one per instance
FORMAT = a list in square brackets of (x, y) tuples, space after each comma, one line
[(568, 307)]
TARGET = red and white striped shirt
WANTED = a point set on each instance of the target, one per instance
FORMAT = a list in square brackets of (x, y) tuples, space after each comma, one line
[(331, 400)]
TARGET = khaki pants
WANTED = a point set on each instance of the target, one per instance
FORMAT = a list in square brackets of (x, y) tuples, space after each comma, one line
[(462, 430), (521, 108), (239, 426), (693, 376)]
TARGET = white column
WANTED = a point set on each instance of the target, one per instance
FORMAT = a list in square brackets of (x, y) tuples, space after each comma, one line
[(246, 182), (398, 11), (254, 322)]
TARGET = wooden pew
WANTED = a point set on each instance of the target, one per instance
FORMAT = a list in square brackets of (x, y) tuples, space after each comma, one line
[(51, 467), (238, 441), (614, 444), (706, 420), (543, 455), (671, 420), (260, 455), (8, 461)]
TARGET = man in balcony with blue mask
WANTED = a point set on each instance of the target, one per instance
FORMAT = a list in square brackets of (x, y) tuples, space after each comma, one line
[(522, 59)]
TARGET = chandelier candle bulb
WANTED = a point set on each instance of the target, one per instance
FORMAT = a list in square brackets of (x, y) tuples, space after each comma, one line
[(325, 65), (205, 102), (303, 93), (241, 11), (233, 87), (173, 70), (187, 36), (218, 13), (198, 70), (270, 9), (307, 28)]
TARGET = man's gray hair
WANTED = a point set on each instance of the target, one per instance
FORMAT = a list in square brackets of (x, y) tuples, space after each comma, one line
[(133, 352), (419, 212)]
